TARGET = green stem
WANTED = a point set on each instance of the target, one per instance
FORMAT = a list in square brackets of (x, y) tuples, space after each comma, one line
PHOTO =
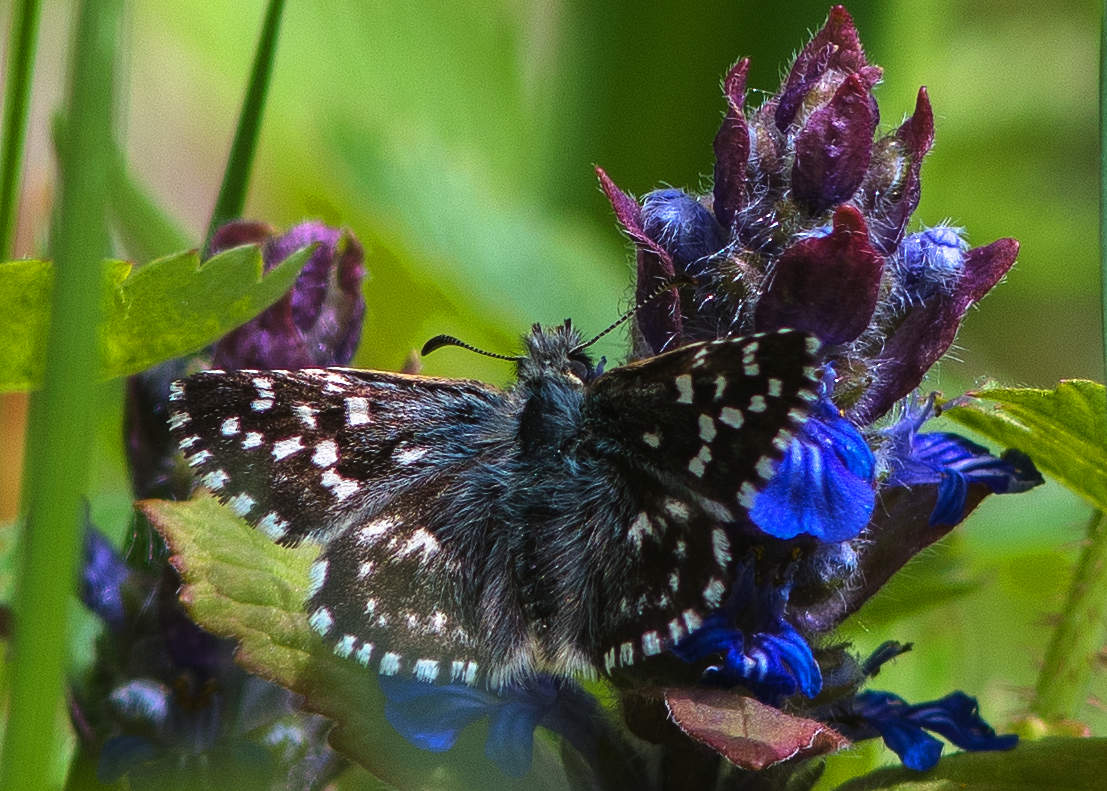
[(63, 413), (1103, 176), (1076, 641), (232, 193), (21, 61)]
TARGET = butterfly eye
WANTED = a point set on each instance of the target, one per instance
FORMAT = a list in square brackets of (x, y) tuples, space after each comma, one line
[(580, 369)]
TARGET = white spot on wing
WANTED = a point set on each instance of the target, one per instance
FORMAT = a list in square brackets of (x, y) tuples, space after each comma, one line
[(242, 503), (420, 541), (651, 643), (286, 447), (720, 544), (390, 664), (676, 508), (176, 391), (215, 480), (426, 669), (321, 621), (230, 427), (306, 414), (273, 526), (188, 442), (765, 468), (410, 455), (363, 654), (732, 417), (684, 389), (692, 620), (345, 646), (326, 454), (707, 428), (609, 660), (261, 404), (676, 631), (639, 529), (357, 411), (317, 575), (651, 439), (720, 386), (747, 495), (252, 440), (377, 528), (365, 569), (775, 387), (341, 487), (713, 593), (177, 420), (753, 369), (626, 654), (757, 403), (199, 458), (471, 673)]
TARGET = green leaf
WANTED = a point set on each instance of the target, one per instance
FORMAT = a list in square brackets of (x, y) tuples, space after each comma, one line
[(1063, 430), (165, 309), (1056, 764), (239, 584)]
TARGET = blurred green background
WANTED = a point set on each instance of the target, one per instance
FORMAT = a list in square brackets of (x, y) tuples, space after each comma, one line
[(457, 141)]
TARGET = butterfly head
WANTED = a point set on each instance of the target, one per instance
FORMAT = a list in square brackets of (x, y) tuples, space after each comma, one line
[(556, 353)]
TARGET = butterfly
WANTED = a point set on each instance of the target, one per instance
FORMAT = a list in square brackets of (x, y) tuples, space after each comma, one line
[(577, 521)]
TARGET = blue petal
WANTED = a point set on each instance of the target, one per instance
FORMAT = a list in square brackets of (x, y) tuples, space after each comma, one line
[(823, 487), (102, 578), (952, 462), (956, 717), (511, 737), (120, 754), (681, 224), (431, 717), (917, 749), (928, 263), (773, 664)]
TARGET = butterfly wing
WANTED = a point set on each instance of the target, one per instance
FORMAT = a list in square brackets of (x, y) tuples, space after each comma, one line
[(691, 436), (306, 453), (370, 464)]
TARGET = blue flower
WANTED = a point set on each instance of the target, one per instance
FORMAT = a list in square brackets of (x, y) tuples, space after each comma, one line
[(103, 576), (903, 726), (927, 263), (760, 649), (682, 225), (823, 487), (952, 462), (431, 717)]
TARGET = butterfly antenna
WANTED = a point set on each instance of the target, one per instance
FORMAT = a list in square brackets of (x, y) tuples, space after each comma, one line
[(677, 281), (438, 341)]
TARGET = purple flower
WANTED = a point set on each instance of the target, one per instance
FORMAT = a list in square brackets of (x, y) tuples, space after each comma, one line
[(318, 323), (805, 227)]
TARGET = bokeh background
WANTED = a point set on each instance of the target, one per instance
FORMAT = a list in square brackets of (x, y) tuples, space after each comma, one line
[(457, 141)]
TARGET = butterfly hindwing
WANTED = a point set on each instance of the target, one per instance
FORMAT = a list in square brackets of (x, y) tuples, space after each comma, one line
[(393, 594)]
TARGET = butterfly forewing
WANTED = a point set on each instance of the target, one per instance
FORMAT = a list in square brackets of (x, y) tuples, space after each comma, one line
[(694, 435), (305, 453), (710, 417), (363, 462)]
